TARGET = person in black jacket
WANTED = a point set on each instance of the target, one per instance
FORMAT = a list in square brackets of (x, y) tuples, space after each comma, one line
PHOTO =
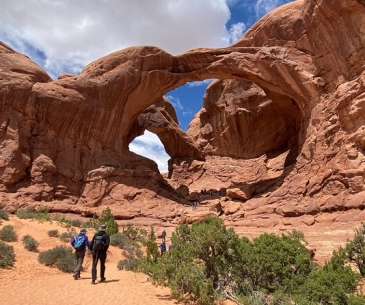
[(99, 246)]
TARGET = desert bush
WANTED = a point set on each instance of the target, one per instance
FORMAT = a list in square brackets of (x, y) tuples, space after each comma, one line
[(60, 257), (335, 283), (4, 214), (355, 249), (209, 262), (26, 214), (61, 220), (42, 215), (67, 236), (197, 267), (131, 248), (128, 264), (30, 243), (8, 234), (53, 233), (76, 223), (107, 218), (7, 256), (136, 234)]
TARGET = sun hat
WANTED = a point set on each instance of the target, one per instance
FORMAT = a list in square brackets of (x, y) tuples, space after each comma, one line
[(82, 230), (102, 228)]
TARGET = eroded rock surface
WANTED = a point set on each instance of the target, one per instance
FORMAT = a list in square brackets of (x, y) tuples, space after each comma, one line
[(282, 127)]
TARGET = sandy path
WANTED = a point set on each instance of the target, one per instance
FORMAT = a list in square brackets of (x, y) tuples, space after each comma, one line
[(29, 282)]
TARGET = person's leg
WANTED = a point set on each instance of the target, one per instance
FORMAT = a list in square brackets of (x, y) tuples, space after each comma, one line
[(102, 267), (93, 268), (80, 259)]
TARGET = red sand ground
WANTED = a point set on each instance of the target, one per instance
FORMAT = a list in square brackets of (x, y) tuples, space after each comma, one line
[(29, 282)]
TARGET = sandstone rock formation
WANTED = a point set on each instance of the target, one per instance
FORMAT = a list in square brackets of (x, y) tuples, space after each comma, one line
[(283, 124)]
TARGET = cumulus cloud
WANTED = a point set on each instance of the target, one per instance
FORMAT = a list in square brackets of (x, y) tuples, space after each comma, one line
[(262, 7), (150, 146), (63, 36), (200, 83), (66, 35)]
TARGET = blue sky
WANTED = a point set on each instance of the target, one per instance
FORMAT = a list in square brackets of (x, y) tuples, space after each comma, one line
[(63, 36)]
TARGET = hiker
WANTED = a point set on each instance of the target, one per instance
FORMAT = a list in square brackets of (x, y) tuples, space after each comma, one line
[(195, 204), (99, 246), (163, 236), (79, 243), (163, 247)]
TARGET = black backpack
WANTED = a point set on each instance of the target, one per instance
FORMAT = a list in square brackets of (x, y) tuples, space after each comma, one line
[(99, 243)]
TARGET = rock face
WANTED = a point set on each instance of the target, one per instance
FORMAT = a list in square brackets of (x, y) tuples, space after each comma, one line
[(282, 127)]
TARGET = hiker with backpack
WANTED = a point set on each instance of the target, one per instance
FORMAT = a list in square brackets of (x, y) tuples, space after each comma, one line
[(79, 243), (99, 247)]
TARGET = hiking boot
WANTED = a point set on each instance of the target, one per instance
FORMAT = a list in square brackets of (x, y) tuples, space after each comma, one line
[(93, 283), (75, 277), (103, 279)]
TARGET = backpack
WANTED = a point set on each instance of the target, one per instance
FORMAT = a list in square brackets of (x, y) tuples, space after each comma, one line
[(79, 242), (99, 243)]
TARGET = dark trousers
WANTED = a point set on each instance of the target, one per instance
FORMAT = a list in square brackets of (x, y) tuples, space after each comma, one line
[(80, 259), (96, 257)]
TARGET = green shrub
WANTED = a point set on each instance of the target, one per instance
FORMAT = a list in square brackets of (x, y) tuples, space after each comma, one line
[(355, 249), (53, 233), (128, 264), (30, 243), (332, 284), (42, 215), (107, 218), (8, 234), (60, 257), (26, 214), (4, 214), (356, 299), (7, 256), (61, 220), (76, 223), (67, 236)]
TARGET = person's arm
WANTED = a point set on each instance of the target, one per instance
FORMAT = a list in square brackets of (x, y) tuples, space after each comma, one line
[(87, 242), (107, 242), (91, 244)]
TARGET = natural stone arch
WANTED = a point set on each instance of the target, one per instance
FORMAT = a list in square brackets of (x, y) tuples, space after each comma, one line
[(114, 90)]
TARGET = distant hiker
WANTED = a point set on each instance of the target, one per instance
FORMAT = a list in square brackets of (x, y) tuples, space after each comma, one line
[(99, 247), (163, 235), (195, 204), (79, 243), (163, 247)]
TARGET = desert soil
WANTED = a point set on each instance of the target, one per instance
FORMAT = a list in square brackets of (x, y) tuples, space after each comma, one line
[(29, 282)]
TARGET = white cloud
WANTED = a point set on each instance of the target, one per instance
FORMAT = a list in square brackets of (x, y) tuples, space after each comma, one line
[(69, 34), (262, 7), (150, 146), (236, 31), (200, 83), (175, 101)]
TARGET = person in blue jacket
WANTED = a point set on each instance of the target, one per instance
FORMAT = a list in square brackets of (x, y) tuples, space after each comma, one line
[(80, 243)]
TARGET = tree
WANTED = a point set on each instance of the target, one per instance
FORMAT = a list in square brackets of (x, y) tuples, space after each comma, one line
[(355, 249), (107, 218), (196, 267), (335, 283)]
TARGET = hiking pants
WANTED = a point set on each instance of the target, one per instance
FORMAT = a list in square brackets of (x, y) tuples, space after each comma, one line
[(96, 257), (80, 259)]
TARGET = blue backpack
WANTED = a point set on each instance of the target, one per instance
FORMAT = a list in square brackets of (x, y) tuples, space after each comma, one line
[(79, 242)]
